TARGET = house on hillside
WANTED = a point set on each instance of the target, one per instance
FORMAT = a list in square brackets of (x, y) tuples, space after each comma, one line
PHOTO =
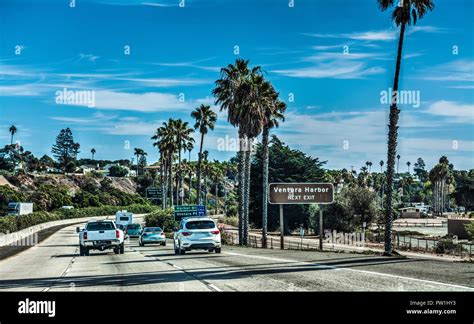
[(106, 170), (87, 168)]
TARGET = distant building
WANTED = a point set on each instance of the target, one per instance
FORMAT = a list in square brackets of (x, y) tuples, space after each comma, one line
[(410, 212)]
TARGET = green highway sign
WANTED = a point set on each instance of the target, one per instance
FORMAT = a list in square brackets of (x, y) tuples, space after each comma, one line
[(181, 211), (154, 193)]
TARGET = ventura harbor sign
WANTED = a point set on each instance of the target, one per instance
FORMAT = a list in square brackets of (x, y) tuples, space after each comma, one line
[(301, 193)]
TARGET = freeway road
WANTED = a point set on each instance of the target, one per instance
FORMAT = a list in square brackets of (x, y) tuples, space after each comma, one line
[(55, 265)]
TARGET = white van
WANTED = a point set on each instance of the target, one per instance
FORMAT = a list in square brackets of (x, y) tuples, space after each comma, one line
[(124, 218)]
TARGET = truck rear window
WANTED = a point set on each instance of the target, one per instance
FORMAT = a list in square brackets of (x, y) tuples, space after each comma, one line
[(124, 218), (100, 226)]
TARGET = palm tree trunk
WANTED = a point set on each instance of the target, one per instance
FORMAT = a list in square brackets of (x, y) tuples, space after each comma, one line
[(199, 170), (205, 187), (392, 148), (241, 179), (163, 199), (442, 196), (170, 181), (217, 194), (179, 181), (247, 190), (265, 186)]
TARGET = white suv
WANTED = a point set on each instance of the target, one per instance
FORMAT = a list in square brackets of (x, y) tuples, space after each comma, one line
[(197, 233)]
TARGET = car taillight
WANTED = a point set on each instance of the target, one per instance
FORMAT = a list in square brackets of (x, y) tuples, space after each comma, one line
[(85, 235), (117, 233), (215, 232), (186, 233)]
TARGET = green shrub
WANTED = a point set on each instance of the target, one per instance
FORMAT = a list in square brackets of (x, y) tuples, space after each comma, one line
[(470, 230), (8, 224), (163, 219), (7, 194), (447, 246), (15, 223), (232, 221)]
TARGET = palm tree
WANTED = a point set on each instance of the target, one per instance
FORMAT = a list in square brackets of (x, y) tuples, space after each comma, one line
[(404, 14), (138, 152), (217, 172), (183, 136), (369, 164), (233, 93), (159, 142), (398, 161), (408, 165), (205, 121), (13, 130), (274, 111), (381, 163), (93, 151), (189, 148)]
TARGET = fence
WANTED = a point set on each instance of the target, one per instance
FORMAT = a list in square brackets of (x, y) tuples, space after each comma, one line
[(432, 245), (254, 241), (413, 243)]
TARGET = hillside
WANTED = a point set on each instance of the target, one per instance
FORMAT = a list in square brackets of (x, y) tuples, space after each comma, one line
[(28, 183)]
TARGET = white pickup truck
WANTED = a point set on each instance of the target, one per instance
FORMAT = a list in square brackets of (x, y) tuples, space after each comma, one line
[(100, 235)]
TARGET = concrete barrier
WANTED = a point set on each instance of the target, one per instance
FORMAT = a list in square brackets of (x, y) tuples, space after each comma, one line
[(28, 233)]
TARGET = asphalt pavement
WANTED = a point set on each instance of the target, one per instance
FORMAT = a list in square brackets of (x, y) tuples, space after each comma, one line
[(55, 265)]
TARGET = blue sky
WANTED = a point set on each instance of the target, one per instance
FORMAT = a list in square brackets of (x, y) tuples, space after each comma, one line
[(334, 58)]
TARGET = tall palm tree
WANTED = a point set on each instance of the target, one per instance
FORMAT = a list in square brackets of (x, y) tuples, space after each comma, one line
[(183, 135), (381, 163), (13, 130), (189, 148), (217, 172), (404, 14), (205, 121), (370, 166), (274, 112), (159, 143), (408, 165), (232, 93), (138, 152), (93, 151), (165, 140), (398, 162)]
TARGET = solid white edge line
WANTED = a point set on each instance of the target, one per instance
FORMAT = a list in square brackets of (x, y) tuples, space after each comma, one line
[(355, 270), (214, 287)]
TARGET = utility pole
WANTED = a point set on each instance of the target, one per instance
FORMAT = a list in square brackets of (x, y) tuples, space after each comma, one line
[(282, 229), (320, 228)]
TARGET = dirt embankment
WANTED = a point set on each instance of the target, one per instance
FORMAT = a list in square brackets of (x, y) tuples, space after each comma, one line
[(28, 183)]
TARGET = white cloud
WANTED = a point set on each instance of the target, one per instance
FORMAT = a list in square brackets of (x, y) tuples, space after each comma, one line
[(377, 35), (462, 112), (336, 69), (143, 102), (459, 70)]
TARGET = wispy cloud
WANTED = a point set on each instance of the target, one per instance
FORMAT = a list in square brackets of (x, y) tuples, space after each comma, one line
[(461, 70), (88, 57), (376, 35), (460, 112)]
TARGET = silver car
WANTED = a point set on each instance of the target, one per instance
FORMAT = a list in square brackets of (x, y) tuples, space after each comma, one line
[(152, 235)]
